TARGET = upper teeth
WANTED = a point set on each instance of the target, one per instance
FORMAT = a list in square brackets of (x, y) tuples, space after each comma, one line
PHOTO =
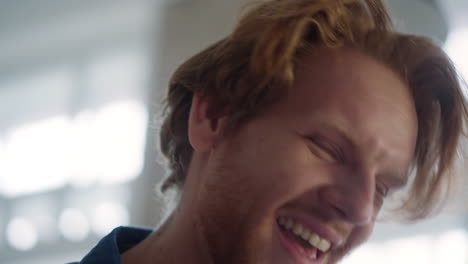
[(306, 234)]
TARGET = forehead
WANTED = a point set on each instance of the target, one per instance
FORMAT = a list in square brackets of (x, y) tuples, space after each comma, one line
[(349, 75)]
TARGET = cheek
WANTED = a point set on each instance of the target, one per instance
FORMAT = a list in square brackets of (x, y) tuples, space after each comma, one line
[(261, 168), (273, 172), (359, 235), (277, 166), (267, 169)]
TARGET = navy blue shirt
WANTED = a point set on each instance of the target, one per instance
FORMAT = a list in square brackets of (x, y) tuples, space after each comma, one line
[(109, 248)]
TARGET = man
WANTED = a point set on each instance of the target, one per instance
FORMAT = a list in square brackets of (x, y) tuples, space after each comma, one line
[(285, 138)]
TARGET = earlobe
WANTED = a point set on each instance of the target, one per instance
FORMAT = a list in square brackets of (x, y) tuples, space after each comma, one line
[(204, 128)]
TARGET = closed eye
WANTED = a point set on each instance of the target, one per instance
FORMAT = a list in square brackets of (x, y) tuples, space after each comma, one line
[(382, 190), (326, 149)]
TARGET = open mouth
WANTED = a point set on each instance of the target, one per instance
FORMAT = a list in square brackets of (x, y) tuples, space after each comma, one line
[(303, 244)]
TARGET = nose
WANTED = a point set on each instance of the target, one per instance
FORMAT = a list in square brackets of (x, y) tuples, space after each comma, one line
[(351, 199)]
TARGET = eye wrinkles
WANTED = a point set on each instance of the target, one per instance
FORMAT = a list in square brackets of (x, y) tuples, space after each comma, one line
[(330, 151), (381, 191)]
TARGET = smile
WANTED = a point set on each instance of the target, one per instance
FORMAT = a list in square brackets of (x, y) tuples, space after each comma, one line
[(305, 245)]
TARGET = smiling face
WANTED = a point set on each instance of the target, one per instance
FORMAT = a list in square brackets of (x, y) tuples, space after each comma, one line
[(312, 169)]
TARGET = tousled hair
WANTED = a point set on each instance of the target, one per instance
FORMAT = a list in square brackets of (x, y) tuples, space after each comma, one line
[(250, 69)]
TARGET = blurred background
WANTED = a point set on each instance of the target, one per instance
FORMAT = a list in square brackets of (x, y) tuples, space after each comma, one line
[(80, 87)]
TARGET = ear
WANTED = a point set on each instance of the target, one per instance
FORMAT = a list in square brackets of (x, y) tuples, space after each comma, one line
[(205, 123)]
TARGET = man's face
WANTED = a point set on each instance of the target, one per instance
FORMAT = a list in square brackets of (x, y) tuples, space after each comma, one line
[(303, 180)]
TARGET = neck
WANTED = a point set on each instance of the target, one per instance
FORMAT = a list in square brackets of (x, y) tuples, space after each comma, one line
[(177, 241), (180, 239)]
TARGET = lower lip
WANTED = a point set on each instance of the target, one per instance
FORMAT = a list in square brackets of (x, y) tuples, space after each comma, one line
[(297, 251)]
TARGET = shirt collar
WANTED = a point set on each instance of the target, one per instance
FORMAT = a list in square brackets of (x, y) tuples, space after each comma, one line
[(109, 248)]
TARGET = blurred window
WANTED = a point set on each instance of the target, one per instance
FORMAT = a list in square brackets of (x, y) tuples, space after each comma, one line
[(99, 141)]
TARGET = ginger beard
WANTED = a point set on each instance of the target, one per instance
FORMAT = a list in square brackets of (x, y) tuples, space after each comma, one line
[(238, 218), (273, 164), (236, 225)]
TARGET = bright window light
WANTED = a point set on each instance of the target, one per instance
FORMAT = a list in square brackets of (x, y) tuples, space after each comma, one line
[(452, 247), (84, 173), (103, 143), (73, 224), (364, 255), (35, 157), (456, 47), (109, 215), (105, 146), (21, 234), (110, 142), (410, 250), (123, 141)]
